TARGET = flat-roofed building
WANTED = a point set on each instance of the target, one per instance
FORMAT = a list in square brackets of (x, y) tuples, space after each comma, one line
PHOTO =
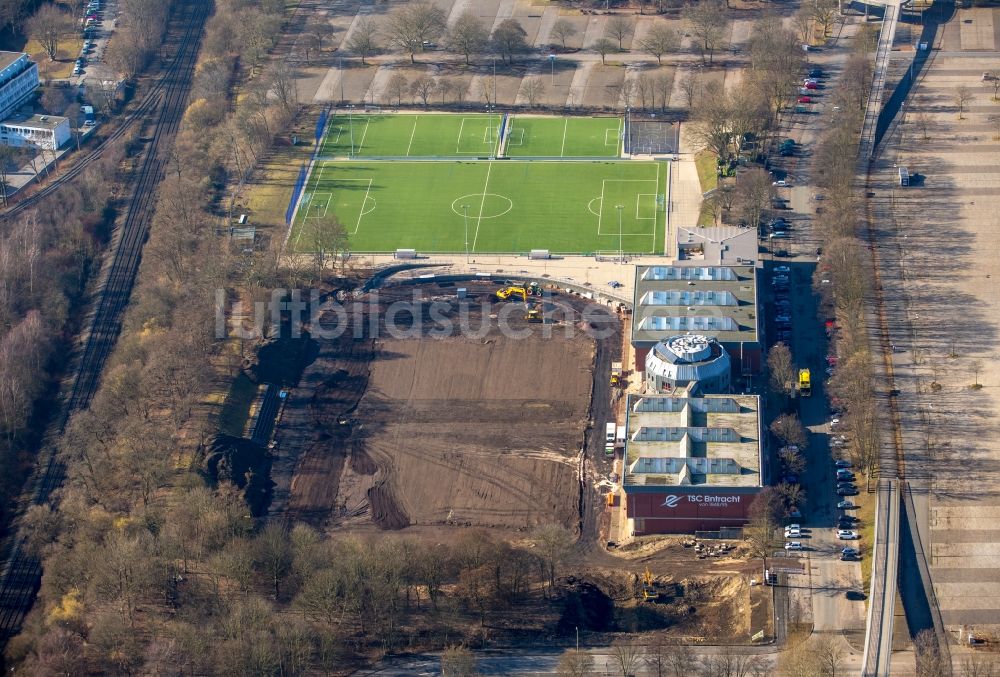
[(691, 463), (716, 245), (18, 81), (719, 302), (49, 132)]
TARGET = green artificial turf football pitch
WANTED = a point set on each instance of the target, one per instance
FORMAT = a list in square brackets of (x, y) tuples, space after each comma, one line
[(461, 198)]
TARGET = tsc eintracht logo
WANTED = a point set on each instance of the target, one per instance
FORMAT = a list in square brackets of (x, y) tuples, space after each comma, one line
[(670, 501)]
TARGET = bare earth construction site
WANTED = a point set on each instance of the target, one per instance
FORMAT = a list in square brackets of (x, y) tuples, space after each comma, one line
[(474, 425)]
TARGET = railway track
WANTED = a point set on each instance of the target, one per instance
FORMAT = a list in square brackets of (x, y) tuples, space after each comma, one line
[(148, 104), (164, 106)]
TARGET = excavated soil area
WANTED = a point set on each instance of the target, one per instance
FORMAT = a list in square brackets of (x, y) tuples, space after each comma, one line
[(439, 429)]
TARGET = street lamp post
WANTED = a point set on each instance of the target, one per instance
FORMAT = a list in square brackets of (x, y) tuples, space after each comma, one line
[(552, 65), (465, 210), (621, 249)]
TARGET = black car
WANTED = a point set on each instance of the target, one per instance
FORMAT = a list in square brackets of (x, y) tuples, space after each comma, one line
[(816, 73), (781, 253)]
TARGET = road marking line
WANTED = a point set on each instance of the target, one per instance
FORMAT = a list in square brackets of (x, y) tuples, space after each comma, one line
[(410, 145), (482, 205), (363, 135)]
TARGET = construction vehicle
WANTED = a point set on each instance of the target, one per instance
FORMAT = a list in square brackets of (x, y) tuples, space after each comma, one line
[(506, 293), (805, 383), (616, 374), (534, 314), (649, 591)]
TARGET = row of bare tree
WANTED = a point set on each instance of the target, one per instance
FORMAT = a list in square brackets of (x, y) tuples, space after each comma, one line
[(150, 568)]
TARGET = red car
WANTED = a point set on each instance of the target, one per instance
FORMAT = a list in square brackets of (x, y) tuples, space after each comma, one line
[(805, 99), (811, 85)]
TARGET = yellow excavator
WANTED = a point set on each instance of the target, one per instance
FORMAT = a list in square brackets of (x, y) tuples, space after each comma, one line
[(507, 293), (520, 290), (649, 592)]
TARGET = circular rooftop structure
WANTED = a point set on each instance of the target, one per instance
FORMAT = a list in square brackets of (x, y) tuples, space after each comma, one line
[(678, 361)]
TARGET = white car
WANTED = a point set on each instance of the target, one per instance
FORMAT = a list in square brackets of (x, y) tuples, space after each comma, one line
[(782, 270), (793, 545), (793, 533), (793, 526), (847, 535), (780, 183), (834, 422)]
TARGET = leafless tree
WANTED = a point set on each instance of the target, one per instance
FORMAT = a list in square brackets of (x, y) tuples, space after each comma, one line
[(691, 88), (754, 195), (781, 368), (803, 23), (923, 122), (993, 81), (659, 40), (976, 367), (707, 21), (618, 28), (792, 459), (411, 26), (929, 661), (575, 663), (509, 39), (423, 87), (789, 430), (980, 665), (364, 39), (563, 30), (446, 88), (48, 26), (824, 12), (469, 35), (532, 88), (663, 84), (627, 654), (603, 46), (666, 657), (457, 661), (396, 87), (765, 512), (963, 95), (830, 656)]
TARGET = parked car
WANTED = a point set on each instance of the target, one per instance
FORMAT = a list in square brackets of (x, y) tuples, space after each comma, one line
[(782, 270), (793, 545), (804, 99), (847, 535), (780, 183), (855, 595), (793, 533), (816, 73), (787, 151), (780, 235), (842, 462), (845, 505), (845, 491)]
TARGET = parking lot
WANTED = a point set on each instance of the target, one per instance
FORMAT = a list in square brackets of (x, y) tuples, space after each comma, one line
[(93, 71), (829, 593)]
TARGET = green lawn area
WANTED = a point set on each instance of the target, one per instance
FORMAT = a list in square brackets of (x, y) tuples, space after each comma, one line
[(364, 135), (707, 173), (535, 136), (507, 206), (66, 54)]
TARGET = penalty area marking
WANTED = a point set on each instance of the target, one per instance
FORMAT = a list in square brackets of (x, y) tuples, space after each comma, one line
[(600, 217), (590, 208), (513, 140)]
